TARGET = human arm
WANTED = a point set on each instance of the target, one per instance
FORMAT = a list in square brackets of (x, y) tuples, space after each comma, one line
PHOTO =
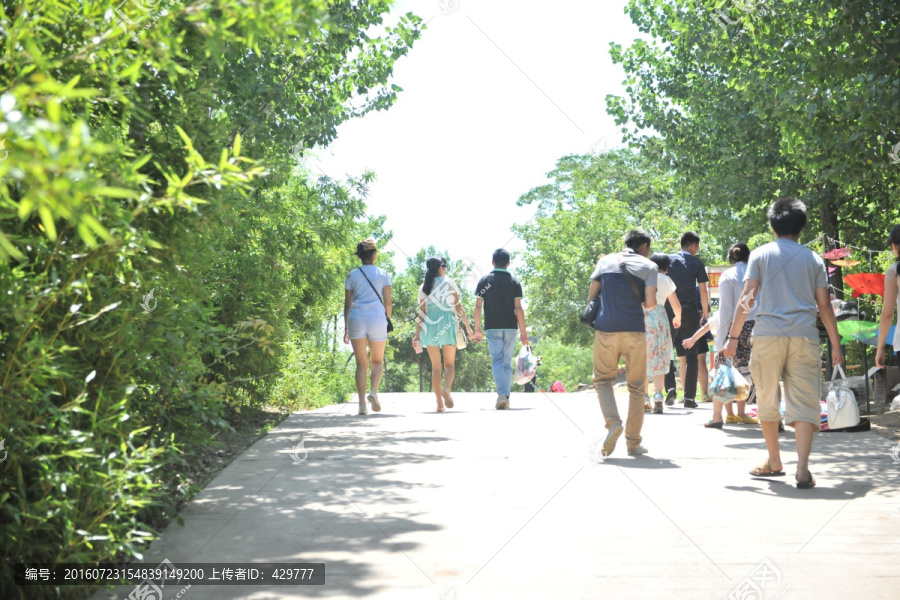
[(348, 302), (826, 313), (689, 343), (649, 297), (520, 317), (477, 318), (887, 313), (704, 300), (388, 305), (594, 290), (676, 308), (741, 311), (462, 315)]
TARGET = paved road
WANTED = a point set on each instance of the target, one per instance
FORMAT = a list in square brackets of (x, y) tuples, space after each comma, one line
[(483, 504)]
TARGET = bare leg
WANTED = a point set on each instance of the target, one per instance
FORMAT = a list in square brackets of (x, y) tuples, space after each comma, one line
[(703, 374), (729, 408), (376, 353), (717, 411), (804, 432), (770, 433), (434, 353), (742, 409), (659, 382), (449, 366), (362, 367)]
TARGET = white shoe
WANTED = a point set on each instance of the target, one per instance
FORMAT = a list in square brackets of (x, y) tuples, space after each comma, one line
[(637, 451), (373, 398), (502, 402), (363, 409)]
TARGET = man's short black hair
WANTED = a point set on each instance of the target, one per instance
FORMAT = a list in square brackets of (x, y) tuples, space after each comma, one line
[(501, 258), (636, 238), (689, 238), (787, 216)]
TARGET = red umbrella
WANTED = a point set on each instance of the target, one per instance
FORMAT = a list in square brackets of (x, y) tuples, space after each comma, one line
[(866, 283)]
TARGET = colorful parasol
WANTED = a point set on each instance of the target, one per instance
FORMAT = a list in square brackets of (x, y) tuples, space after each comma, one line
[(846, 263), (866, 283), (837, 253), (851, 328), (870, 336)]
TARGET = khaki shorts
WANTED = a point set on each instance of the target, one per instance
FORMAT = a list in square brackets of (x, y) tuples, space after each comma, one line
[(797, 361)]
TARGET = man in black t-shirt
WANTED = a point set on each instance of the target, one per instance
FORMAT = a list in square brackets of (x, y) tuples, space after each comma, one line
[(688, 272), (501, 296)]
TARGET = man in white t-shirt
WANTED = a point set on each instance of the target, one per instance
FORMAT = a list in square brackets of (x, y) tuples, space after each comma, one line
[(787, 282)]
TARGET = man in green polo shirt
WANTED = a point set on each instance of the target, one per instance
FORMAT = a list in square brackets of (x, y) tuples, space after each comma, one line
[(501, 296)]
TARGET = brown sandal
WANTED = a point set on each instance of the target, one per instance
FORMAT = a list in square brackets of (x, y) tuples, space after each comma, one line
[(765, 470)]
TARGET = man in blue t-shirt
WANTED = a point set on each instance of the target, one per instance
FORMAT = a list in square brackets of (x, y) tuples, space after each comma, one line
[(688, 272), (787, 286), (500, 294), (626, 283)]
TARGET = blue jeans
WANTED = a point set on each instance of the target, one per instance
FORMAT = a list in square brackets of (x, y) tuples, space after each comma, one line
[(501, 345)]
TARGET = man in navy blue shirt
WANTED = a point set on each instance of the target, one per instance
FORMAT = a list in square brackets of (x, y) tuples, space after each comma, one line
[(688, 272), (500, 295), (626, 284)]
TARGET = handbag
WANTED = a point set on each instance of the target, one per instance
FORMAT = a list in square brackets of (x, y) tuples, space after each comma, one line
[(460, 337), (390, 326), (842, 408), (589, 314)]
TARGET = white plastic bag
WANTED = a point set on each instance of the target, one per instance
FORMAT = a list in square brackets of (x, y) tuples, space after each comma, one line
[(526, 366), (842, 408), (729, 385)]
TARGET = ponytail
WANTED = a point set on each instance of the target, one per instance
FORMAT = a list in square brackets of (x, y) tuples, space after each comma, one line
[(739, 252)]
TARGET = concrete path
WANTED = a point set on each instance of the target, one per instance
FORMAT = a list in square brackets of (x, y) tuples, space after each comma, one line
[(483, 504)]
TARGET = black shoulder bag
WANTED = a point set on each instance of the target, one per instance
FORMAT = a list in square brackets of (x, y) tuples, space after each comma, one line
[(390, 326), (589, 314)]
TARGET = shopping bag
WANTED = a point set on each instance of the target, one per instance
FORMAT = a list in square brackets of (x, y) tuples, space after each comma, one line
[(842, 408), (526, 366), (729, 385)]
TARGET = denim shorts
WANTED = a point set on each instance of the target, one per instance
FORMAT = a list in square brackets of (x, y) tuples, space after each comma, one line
[(373, 328)]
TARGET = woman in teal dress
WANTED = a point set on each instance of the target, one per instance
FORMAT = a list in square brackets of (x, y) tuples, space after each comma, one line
[(436, 326)]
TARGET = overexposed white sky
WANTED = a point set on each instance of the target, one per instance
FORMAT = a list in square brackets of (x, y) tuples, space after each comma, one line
[(494, 93)]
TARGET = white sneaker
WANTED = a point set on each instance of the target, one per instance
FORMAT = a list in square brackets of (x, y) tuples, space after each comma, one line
[(363, 409), (502, 402), (373, 398), (637, 451)]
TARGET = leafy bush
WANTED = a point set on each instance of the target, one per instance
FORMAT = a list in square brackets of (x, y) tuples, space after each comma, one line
[(165, 255)]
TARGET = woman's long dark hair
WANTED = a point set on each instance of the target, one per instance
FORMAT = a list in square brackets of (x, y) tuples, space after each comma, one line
[(894, 238), (433, 265)]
